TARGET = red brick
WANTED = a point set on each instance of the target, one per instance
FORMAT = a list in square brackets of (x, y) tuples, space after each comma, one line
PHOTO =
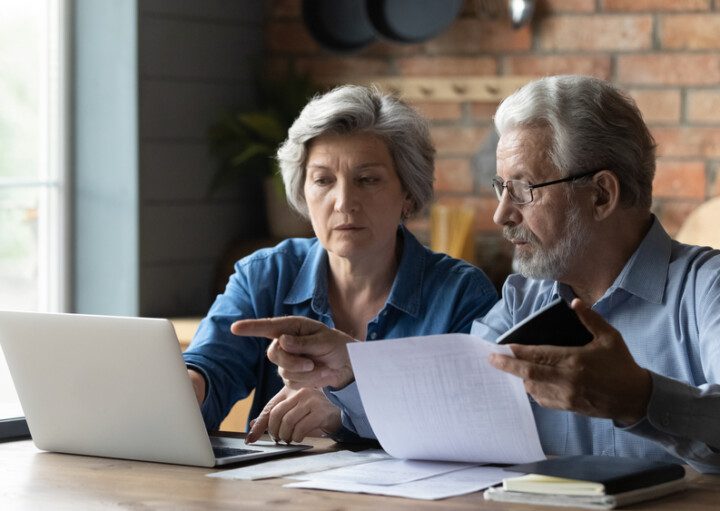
[(484, 209), (484, 111), (289, 37), (446, 66), (597, 32), (656, 5), (341, 69), (669, 69), (453, 175), (673, 213), (392, 49), (474, 36), (689, 142), (690, 32), (703, 106), (455, 140), (680, 179), (285, 9), (545, 65), (661, 106), (439, 110), (555, 6)]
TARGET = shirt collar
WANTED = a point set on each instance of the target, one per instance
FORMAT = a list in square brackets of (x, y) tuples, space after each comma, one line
[(311, 281), (645, 273), (405, 294)]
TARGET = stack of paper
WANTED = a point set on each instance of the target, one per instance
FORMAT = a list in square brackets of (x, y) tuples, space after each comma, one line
[(427, 480)]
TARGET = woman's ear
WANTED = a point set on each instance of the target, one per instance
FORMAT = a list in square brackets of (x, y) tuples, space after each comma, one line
[(605, 194), (408, 207)]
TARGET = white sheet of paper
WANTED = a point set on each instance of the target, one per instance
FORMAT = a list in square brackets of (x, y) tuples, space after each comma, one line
[(385, 472), (461, 482), (438, 398), (301, 465)]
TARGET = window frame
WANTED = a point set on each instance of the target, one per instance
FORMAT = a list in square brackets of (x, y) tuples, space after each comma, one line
[(55, 182)]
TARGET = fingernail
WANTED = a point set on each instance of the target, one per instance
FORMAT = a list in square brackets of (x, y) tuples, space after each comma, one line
[(307, 365)]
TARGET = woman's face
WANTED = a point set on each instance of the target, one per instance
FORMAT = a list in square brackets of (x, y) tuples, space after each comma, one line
[(353, 194)]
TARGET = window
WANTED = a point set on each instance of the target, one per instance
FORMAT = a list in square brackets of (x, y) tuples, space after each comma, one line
[(33, 184)]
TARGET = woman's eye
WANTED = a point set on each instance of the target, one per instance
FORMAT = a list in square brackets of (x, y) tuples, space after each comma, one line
[(321, 180), (368, 180)]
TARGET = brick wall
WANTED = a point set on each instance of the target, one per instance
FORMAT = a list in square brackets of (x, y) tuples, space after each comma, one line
[(665, 52)]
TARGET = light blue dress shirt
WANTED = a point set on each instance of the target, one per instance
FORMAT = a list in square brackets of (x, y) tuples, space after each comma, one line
[(666, 305), (432, 293)]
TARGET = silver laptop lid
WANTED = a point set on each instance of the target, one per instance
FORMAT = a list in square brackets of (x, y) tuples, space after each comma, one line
[(105, 386)]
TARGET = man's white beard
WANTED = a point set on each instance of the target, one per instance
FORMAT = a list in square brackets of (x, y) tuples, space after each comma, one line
[(554, 262)]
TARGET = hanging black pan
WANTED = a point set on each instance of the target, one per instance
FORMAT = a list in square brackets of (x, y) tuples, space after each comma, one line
[(339, 25), (412, 21)]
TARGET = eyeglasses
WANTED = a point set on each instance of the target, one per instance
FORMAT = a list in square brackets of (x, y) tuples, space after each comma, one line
[(520, 192)]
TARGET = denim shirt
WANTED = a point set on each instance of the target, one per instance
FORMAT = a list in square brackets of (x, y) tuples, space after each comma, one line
[(666, 305), (432, 293)]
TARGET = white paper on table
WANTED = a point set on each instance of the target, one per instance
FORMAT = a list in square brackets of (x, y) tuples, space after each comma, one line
[(385, 472), (301, 465), (438, 398), (461, 482)]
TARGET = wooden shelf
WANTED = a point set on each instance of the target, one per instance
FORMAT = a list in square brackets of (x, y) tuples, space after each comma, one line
[(491, 89)]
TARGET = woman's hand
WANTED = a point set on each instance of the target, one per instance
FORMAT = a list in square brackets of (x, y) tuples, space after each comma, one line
[(291, 415), (307, 353), (198, 383)]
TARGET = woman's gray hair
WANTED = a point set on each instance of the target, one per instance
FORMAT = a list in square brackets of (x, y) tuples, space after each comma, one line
[(593, 126), (353, 109)]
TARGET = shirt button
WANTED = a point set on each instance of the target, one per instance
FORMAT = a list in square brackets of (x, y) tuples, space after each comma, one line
[(373, 336), (383, 313)]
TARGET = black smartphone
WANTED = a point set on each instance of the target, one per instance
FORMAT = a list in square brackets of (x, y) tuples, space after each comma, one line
[(555, 324)]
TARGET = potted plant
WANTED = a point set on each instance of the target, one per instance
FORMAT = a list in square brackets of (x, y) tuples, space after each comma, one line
[(245, 142)]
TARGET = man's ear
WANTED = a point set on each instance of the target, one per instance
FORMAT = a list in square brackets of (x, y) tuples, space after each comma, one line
[(606, 194)]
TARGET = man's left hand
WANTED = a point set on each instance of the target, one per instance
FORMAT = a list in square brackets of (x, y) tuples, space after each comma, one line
[(600, 379)]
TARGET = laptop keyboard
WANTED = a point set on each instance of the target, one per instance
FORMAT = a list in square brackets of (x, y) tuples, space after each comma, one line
[(224, 452)]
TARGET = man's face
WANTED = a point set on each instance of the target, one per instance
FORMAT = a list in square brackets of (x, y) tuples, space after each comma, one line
[(549, 233)]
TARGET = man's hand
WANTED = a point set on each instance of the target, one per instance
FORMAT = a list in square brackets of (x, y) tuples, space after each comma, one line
[(291, 415), (307, 353), (600, 379)]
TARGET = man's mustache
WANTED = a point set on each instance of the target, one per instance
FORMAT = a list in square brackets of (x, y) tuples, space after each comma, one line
[(519, 233)]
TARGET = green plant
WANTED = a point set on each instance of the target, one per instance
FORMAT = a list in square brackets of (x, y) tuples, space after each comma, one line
[(245, 141)]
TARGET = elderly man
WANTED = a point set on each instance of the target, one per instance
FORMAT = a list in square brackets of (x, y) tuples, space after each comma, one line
[(575, 164)]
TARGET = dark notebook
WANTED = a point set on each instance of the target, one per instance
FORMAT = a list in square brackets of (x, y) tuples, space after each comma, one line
[(555, 324), (617, 474)]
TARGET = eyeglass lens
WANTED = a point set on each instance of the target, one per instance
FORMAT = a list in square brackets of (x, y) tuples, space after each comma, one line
[(518, 191)]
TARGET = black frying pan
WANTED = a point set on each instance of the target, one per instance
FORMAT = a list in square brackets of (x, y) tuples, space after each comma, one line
[(412, 21), (340, 25)]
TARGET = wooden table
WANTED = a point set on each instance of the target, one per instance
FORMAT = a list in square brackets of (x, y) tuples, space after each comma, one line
[(37, 480)]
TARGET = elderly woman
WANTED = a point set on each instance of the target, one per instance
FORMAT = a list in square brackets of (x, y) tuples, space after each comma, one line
[(357, 162)]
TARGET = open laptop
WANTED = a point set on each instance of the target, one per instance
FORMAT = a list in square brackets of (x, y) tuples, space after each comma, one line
[(115, 387)]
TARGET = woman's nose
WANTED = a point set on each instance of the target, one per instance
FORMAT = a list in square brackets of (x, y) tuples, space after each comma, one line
[(345, 198)]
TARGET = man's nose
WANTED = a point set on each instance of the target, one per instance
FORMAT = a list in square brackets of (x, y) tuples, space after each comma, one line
[(506, 211)]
